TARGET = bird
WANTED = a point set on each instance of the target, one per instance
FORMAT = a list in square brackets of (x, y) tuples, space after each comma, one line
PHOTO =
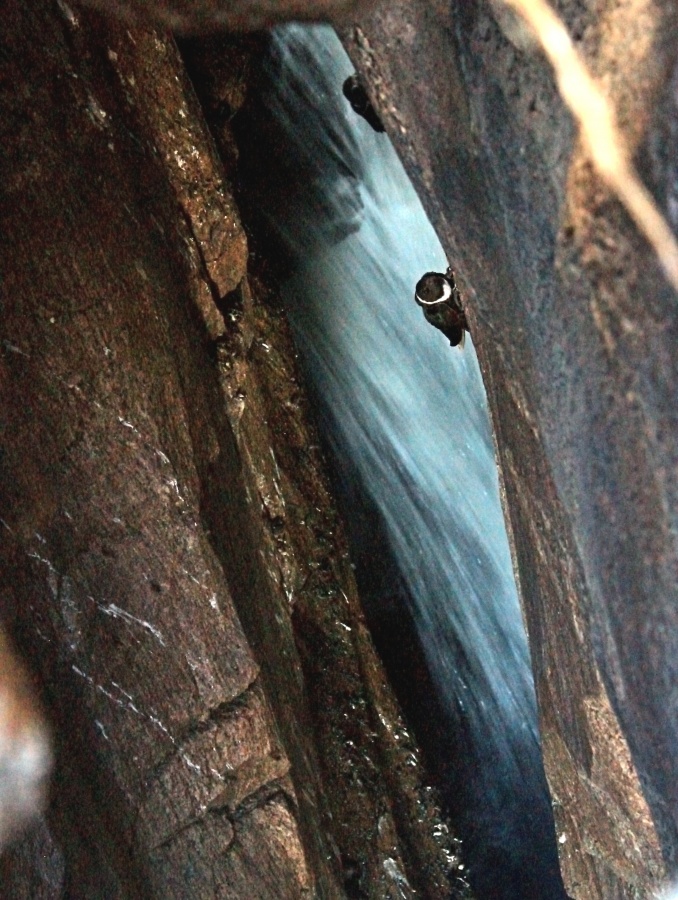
[(356, 95), (439, 297)]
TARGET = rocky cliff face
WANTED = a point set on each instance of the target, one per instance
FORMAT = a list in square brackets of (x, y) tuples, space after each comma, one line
[(155, 577), (172, 568), (576, 332)]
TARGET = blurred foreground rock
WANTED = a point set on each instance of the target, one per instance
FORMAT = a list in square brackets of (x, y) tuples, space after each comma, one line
[(172, 569), (190, 16), (577, 336), (25, 757)]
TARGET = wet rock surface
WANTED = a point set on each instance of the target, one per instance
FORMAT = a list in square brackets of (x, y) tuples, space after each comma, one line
[(378, 810), (384, 817), (575, 331), (172, 567)]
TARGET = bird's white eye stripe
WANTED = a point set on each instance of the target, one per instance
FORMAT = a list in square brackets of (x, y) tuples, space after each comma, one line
[(444, 297)]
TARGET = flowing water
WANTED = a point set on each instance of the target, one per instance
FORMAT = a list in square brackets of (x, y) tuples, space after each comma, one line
[(406, 421)]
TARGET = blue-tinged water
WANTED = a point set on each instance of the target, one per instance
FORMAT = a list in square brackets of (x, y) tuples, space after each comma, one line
[(406, 419)]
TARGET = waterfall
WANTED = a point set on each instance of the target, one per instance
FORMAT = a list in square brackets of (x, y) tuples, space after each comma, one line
[(406, 421)]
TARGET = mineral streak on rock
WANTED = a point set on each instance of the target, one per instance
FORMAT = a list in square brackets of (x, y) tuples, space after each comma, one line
[(575, 329)]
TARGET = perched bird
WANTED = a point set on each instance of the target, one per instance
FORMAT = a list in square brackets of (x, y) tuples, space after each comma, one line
[(356, 95), (440, 299)]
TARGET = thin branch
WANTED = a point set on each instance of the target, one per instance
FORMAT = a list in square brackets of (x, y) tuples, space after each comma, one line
[(604, 141)]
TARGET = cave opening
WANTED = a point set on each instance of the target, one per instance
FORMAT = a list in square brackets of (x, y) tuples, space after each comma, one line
[(404, 420)]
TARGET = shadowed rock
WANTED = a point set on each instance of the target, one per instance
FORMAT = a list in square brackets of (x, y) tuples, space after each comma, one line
[(181, 623), (235, 15), (575, 329)]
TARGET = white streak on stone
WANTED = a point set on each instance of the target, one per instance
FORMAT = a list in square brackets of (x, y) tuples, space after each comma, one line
[(129, 704), (174, 484), (401, 883), (68, 13), (14, 349), (101, 728), (117, 613), (128, 424)]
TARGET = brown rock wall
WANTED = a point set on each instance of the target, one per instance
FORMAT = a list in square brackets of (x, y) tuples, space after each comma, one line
[(575, 331), (113, 581), (172, 567)]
